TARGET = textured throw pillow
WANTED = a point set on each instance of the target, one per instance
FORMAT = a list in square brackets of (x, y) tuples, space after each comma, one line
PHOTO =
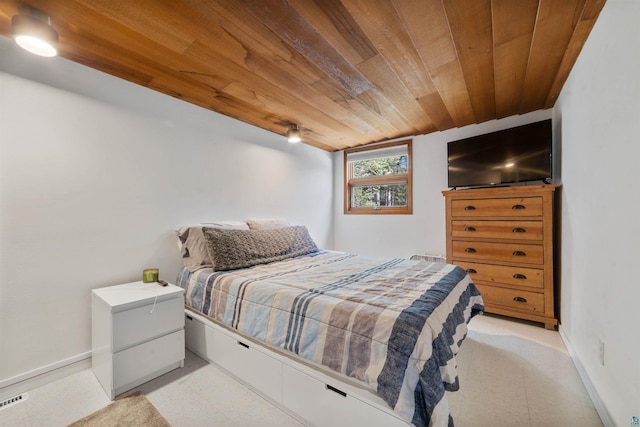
[(233, 249), (266, 224), (193, 246)]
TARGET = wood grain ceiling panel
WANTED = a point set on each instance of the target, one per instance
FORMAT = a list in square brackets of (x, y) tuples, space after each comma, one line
[(548, 48), (513, 26), (471, 29), (427, 25), (348, 72), (590, 13)]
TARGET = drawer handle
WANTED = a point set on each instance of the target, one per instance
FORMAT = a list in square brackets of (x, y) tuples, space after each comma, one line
[(470, 208), (243, 344), (518, 207), (471, 271), (519, 253), (520, 276), (469, 229), (335, 390), (470, 250), (519, 230), (519, 299), (189, 317)]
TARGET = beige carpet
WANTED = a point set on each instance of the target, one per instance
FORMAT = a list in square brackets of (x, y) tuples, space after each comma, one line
[(128, 410)]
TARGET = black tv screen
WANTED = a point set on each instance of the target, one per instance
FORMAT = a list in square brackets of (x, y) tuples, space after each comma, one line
[(513, 155)]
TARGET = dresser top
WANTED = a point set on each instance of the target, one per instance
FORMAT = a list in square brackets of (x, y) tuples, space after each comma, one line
[(497, 192), (136, 294)]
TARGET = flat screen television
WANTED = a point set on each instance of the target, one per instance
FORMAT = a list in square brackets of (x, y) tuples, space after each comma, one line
[(508, 156)]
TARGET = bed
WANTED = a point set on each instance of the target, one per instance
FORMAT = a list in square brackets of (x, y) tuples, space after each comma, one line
[(393, 326)]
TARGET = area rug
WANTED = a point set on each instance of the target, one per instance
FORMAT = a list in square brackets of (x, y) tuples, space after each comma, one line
[(130, 410)]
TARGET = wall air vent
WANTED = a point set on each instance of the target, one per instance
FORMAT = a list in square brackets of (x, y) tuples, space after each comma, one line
[(13, 400)]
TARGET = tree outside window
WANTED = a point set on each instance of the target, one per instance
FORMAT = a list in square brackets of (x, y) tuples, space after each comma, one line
[(378, 179)]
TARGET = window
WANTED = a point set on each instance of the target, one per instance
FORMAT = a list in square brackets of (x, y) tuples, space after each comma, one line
[(377, 180)]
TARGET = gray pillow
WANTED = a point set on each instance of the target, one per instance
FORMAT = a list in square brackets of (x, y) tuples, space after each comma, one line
[(233, 249), (193, 246)]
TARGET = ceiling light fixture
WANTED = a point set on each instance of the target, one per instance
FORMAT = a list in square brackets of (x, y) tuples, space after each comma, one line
[(293, 133), (32, 30)]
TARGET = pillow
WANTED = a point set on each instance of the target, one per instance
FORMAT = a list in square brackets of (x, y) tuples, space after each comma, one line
[(235, 225), (266, 224), (233, 249), (193, 245)]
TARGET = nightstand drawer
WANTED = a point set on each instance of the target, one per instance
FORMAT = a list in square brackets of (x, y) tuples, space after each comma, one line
[(512, 298), (136, 363), (145, 323), (513, 276), (490, 251)]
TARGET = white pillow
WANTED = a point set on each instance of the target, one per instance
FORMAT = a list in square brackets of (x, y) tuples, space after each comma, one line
[(267, 224)]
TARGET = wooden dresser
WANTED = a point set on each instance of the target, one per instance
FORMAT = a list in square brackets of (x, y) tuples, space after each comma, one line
[(503, 237)]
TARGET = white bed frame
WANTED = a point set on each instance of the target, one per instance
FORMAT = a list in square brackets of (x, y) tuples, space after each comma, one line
[(312, 396)]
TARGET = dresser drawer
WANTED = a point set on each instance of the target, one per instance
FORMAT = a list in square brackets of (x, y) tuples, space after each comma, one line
[(512, 276), (150, 321), (508, 207), (512, 298), (511, 230), (490, 251)]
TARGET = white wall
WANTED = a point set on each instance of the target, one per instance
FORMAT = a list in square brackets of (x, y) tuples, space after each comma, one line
[(96, 173), (599, 115), (423, 232)]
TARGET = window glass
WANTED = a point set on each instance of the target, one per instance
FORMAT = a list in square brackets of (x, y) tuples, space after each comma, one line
[(378, 179)]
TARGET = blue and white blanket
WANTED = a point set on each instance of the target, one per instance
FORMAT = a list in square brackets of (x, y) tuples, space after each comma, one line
[(395, 325)]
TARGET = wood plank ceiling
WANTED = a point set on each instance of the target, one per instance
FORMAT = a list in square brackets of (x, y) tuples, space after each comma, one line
[(349, 72)]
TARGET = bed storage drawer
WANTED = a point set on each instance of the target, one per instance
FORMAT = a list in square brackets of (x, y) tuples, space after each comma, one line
[(245, 361), (325, 405), (198, 336)]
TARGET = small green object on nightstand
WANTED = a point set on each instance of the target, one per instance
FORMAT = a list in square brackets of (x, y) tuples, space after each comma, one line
[(150, 275)]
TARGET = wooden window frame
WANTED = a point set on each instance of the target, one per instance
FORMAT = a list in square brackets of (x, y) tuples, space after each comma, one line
[(379, 180)]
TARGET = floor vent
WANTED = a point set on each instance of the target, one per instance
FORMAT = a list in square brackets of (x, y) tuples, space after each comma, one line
[(13, 400), (430, 258)]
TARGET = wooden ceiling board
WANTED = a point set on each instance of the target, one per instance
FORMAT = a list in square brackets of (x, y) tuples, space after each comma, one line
[(427, 25), (513, 26), (348, 72), (471, 29), (337, 25), (296, 31), (589, 15), (395, 94), (547, 51)]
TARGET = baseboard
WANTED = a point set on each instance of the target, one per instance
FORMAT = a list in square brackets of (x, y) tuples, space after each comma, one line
[(38, 377), (593, 393)]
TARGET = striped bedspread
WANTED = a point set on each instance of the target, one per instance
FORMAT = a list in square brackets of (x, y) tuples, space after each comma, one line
[(393, 324)]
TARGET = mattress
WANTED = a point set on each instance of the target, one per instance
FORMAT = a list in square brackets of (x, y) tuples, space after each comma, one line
[(393, 325)]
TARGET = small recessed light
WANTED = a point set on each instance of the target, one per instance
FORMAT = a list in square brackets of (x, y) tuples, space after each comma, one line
[(509, 165), (293, 134), (32, 31)]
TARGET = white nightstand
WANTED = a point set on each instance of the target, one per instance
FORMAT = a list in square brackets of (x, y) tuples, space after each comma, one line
[(137, 334)]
